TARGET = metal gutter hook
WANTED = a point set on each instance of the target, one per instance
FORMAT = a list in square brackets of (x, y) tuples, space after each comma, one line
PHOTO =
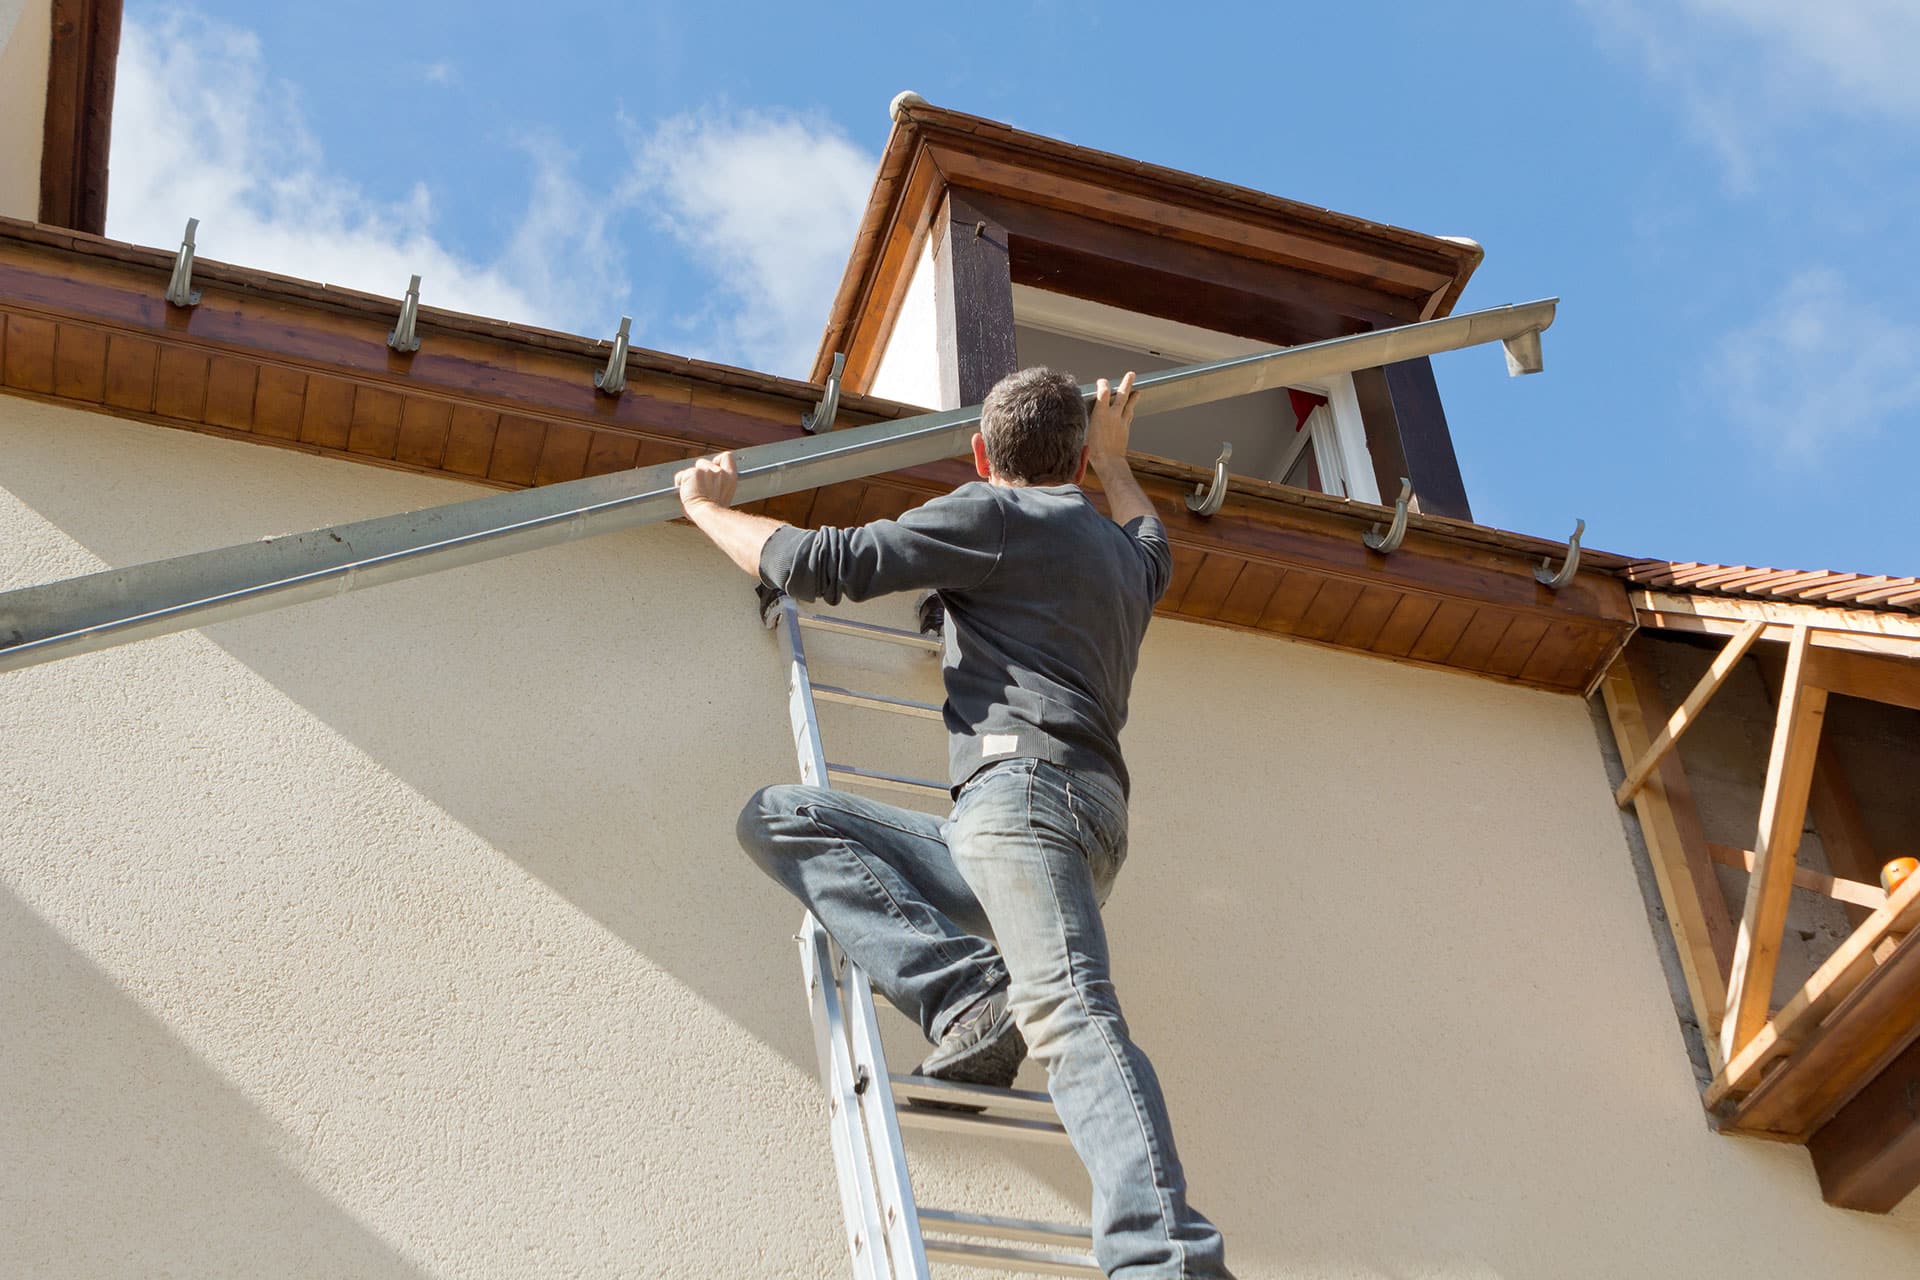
[(1523, 353), (612, 380), (1544, 571), (404, 338), (180, 290), (1389, 542), (1206, 500), (820, 417)]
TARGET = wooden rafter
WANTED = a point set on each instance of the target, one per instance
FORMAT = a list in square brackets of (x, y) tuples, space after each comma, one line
[(1783, 813), (1861, 675), (1887, 634), (1676, 846), (1855, 892), (1689, 710)]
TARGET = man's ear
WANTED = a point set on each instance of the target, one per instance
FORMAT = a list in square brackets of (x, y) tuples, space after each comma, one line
[(980, 456), (1080, 472)]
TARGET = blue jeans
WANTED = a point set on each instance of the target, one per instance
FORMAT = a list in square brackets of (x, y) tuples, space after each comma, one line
[(1026, 859)]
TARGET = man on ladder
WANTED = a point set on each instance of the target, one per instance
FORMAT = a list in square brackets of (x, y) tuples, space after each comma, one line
[(1046, 603)]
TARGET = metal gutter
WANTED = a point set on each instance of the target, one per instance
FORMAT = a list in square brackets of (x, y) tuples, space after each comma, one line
[(117, 606)]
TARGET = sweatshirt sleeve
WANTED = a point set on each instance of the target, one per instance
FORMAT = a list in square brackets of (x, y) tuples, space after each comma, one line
[(953, 542), (1150, 538)]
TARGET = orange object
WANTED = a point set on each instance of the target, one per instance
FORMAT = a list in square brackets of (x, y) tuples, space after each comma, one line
[(1895, 873)]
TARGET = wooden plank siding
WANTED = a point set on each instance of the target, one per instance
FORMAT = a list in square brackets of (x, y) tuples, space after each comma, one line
[(302, 367)]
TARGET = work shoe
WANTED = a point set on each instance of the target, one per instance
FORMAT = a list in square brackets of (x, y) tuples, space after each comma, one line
[(982, 1046)]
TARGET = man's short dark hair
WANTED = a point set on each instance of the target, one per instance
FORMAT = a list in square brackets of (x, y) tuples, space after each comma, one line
[(1035, 423)]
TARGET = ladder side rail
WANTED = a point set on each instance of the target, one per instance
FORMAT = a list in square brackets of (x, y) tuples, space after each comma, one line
[(902, 1213), (116, 606), (865, 1236), (887, 1198)]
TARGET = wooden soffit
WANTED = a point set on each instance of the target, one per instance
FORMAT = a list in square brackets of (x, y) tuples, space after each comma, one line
[(1070, 211), (296, 365)]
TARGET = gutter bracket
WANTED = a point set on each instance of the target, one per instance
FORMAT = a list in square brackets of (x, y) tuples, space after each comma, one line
[(612, 380), (1206, 500), (404, 338), (820, 417), (1388, 542), (180, 290), (1544, 572)]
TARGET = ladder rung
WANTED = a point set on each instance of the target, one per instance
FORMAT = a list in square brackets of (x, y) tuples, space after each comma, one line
[(1059, 1234), (877, 702), (887, 781), (1015, 1102), (869, 631), (982, 1124), (1032, 1261)]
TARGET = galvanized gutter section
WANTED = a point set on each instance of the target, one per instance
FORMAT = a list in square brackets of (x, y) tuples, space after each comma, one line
[(98, 611)]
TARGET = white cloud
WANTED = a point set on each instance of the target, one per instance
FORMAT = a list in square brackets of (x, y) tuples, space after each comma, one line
[(768, 204), (1821, 368), (1747, 71), (440, 73), (202, 130)]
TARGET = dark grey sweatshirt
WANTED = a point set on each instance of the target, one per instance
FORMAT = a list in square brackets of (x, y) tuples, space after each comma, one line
[(1046, 601)]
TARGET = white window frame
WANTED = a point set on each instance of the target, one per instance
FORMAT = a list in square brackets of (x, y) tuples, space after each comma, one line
[(1340, 445)]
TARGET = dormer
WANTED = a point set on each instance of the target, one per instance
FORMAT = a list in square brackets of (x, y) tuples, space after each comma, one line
[(985, 249)]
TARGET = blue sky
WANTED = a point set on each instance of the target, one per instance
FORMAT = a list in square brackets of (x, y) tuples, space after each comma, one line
[(1724, 193)]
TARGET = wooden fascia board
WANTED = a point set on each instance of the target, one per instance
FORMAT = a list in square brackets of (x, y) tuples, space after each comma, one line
[(990, 157), (1085, 194), (1450, 257), (923, 190), (340, 330)]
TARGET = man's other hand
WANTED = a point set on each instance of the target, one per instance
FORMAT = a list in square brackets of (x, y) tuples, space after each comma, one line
[(711, 480), (1110, 422)]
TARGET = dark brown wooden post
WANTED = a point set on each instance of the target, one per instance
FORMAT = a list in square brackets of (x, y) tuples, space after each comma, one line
[(1868, 1155), (73, 152), (1407, 436), (973, 301)]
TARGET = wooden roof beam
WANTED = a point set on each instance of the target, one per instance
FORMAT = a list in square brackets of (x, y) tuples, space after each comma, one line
[(1783, 813), (1683, 718), (1677, 847)]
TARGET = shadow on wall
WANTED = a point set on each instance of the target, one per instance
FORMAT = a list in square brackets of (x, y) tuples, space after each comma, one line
[(122, 1145)]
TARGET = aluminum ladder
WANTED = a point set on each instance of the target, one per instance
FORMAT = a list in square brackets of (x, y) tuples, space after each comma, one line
[(889, 1237)]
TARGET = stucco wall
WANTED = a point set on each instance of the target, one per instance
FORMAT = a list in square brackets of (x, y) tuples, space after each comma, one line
[(26, 35), (404, 935)]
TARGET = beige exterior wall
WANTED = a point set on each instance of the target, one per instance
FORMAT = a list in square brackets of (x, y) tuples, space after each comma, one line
[(26, 36), (404, 935)]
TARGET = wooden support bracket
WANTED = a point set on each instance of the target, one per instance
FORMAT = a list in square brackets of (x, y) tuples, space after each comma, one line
[(1783, 814), (1689, 710), (1689, 891)]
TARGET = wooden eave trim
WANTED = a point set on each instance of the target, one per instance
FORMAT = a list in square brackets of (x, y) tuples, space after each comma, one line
[(266, 286), (298, 366), (985, 155), (1894, 633), (76, 129), (1179, 187)]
